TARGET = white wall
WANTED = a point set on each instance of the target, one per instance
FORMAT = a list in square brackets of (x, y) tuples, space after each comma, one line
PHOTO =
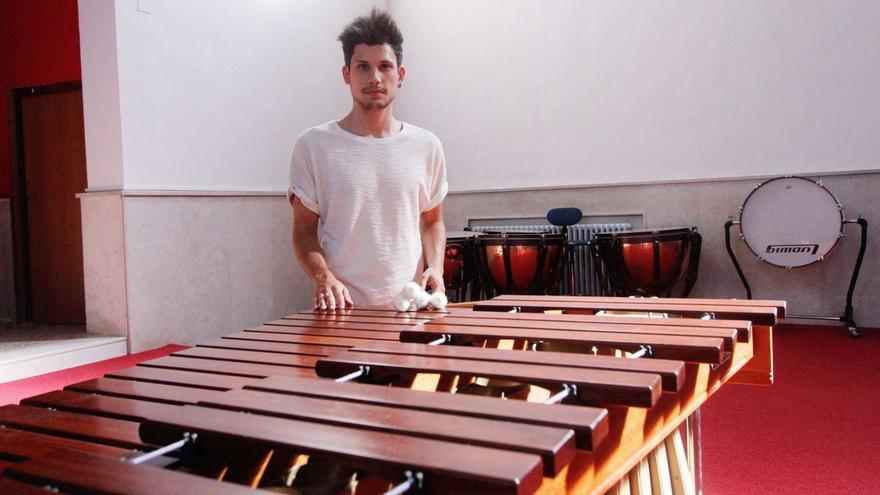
[(526, 93), (214, 92), (210, 95), (100, 84)]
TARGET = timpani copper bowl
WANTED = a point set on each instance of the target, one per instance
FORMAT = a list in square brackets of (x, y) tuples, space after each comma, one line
[(647, 262), (521, 262), (459, 273)]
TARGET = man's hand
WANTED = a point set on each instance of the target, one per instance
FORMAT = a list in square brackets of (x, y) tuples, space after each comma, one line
[(433, 234), (330, 294), (433, 277)]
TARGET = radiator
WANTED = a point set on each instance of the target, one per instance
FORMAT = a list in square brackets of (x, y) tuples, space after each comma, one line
[(585, 279)]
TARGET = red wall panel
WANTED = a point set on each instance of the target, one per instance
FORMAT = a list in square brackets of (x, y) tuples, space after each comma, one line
[(39, 44)]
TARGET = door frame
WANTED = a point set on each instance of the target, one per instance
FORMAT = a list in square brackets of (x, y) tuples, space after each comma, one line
[(21, 245)]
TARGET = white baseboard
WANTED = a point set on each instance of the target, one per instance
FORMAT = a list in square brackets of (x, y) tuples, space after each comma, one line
[(55, 356)]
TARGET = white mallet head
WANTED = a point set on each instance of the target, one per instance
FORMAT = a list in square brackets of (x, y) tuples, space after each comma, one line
[(410, 289), (402, 303), (422, 299), (438, 300)]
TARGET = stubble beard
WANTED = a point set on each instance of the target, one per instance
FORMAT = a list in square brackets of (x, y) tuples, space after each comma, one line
[(367, 104)]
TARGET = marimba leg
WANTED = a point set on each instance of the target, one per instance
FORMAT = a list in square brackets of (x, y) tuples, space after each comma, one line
[(640, 478), (324, 477), (444, 384), (493, 387), (682, 482), (665, 470), (245, 467), (623, 487), (661, 480), (278, 472), (251, 473)]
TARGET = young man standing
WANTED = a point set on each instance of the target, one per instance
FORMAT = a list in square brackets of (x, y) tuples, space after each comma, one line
[(367, 190)]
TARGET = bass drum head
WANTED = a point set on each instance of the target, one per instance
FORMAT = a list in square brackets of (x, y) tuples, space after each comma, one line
[(791, 221)]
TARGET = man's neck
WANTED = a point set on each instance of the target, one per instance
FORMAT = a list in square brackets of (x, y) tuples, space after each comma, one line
[(378, 123)]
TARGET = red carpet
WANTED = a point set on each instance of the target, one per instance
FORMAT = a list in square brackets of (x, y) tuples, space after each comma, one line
[(816, 430), (13, 392)]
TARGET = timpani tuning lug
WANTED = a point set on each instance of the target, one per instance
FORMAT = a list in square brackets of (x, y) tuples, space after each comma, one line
[(707, 316)]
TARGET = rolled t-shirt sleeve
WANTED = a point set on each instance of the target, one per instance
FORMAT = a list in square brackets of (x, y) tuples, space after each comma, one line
[(437, 184), (302, 177)]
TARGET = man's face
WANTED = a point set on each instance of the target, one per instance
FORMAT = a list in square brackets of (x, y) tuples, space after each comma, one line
[(373, 76)]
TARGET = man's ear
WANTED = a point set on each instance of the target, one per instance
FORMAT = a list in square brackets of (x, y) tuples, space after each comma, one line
[(346, 75), (401, 73)]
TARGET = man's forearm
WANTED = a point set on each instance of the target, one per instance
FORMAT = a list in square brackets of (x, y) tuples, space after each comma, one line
[(434, 244), (311, 256)]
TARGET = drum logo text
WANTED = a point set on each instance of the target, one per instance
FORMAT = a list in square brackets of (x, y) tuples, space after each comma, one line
[(792, 248)]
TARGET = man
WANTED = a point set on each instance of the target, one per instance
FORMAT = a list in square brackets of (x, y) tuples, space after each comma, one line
[(367, 190)]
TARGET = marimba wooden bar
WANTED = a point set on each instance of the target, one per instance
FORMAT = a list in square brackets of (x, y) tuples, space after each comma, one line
[(758, 312), (242, 410)]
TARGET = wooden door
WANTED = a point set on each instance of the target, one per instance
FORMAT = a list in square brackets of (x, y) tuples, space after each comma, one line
[(54, 171)]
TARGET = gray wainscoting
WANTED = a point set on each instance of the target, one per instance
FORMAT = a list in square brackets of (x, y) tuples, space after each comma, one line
[(194, 268)]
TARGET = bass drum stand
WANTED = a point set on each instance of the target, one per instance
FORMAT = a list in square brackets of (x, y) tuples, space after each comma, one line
[(847, 317)]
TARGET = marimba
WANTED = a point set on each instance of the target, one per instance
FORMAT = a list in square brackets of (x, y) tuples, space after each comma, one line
[(370, 389)]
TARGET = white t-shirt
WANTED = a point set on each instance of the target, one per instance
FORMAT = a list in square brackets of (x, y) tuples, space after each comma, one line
[(369, 193)]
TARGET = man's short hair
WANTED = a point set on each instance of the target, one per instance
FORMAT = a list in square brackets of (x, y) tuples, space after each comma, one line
[(378, 28)]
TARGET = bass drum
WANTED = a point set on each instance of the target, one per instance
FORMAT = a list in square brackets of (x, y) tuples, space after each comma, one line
[(791, 221)]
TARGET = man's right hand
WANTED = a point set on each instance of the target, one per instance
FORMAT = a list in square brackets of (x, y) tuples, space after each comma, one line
[(330, 294)]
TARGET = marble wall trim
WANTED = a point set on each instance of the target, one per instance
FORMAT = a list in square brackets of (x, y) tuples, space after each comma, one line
[(198, 268), (104, 264)]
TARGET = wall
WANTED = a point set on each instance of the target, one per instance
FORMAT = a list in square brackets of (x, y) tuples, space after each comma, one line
[(169, 267), (596, 92), (192, 109), (248, 77), (39, 41), (203, 267), (103, 125)]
